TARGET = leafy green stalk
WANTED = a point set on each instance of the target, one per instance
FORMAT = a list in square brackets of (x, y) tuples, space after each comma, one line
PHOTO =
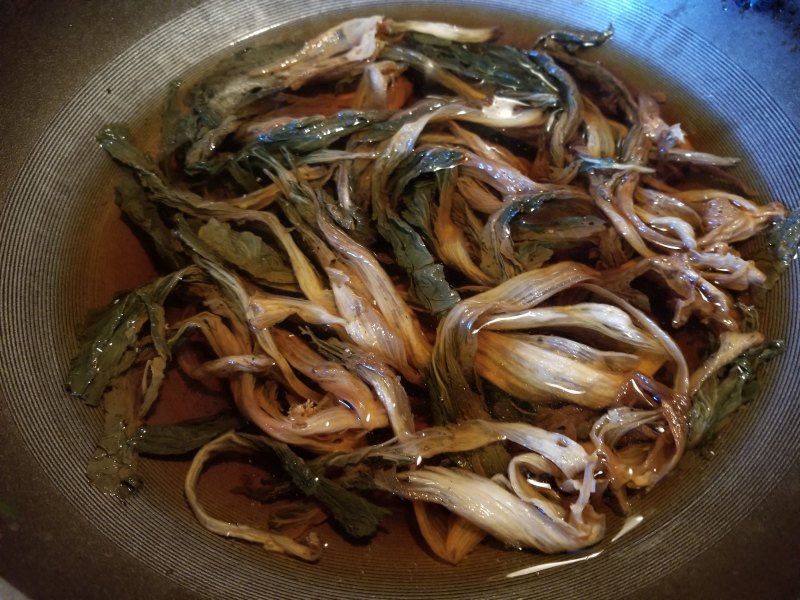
[(299, 136), (428, 283), (425, 161), (205, 258), (178, 129), (115, 139), (418, 209)]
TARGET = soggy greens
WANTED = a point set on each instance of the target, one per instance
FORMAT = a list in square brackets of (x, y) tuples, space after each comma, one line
[(414, 262)]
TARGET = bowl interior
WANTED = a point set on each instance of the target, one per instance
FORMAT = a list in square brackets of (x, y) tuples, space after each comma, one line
[(49, 281)]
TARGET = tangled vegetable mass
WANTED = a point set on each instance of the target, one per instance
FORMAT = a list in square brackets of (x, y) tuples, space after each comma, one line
[(421, 264)]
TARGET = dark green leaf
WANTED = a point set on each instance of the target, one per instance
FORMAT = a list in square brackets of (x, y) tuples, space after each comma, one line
[(420, 162), (492, 68), (532, 255), (498, 257), (428, 283), (359, 517), (115, 140), (505, 407), (227, 282), (103, 352), (573, 41), (418, 206), (133, 202), (567, 122), (497, 254), (232, 84), (310, 133), (268, 491), (183, 437), (609, 92)]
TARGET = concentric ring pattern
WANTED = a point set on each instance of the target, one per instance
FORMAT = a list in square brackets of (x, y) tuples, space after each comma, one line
[(52, 273)]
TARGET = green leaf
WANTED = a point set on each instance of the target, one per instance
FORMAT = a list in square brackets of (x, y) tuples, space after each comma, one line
[(428, 283), (227, 282), (574, 41), (269, 490), (359, 517), (497, 249), (310, 133), (417, 212), (247, 252), (115, 139), (491, 67), (730, 388), (184, 437), (497, 252), (133, 202), (569, 118), (428, 160), (112, 468), (103, 353), (154, 377), (178, 129), (235, 74), (609, 92), (158, 324), (106, 344)]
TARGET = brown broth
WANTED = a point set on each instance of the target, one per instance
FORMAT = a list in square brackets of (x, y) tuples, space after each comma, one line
[(125, 264)]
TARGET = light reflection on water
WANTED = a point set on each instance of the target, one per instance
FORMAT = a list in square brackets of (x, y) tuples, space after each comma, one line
[(630, 524)]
